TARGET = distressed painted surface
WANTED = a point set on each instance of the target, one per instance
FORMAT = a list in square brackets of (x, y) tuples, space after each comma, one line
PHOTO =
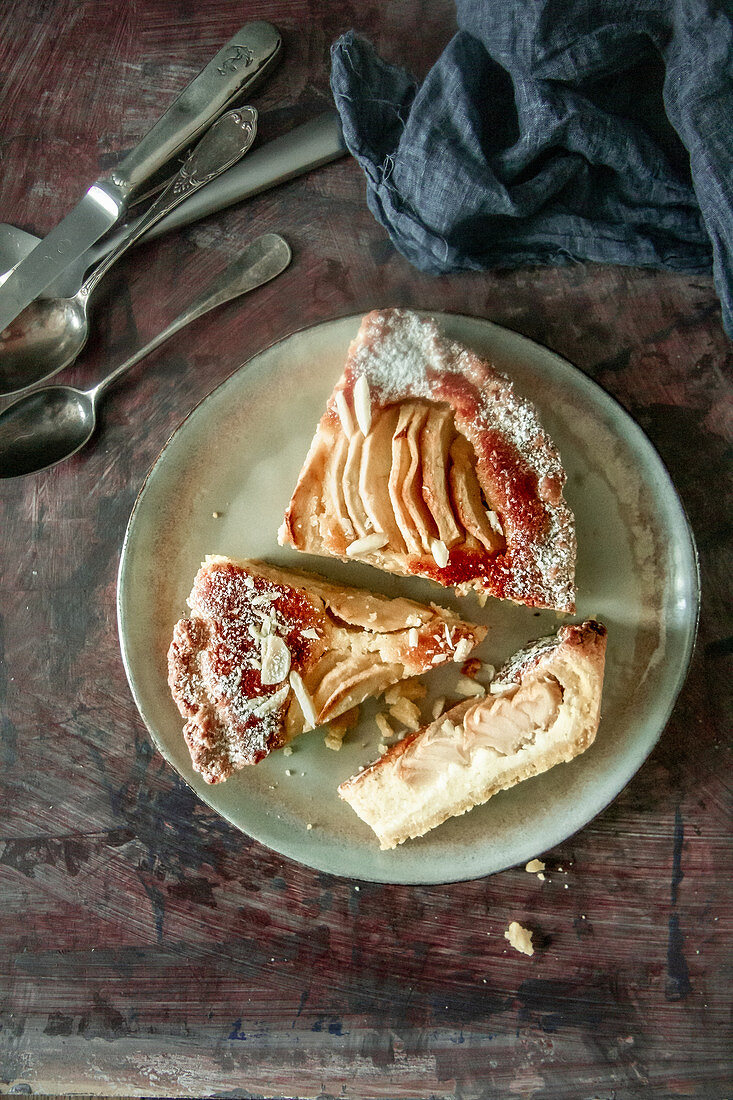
[(149, 948)]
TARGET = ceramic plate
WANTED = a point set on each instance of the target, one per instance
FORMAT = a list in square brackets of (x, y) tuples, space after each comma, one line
[(237, 457)]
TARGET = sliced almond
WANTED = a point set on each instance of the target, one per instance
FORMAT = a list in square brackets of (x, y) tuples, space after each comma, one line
[(304, 700), (383, 725), (494, 522), (469, 688), (462, 650), (407, 712), (366, 545), (273, 702), (275, 658), (342, 408), (438, 707), (363, 404), (440, 553)]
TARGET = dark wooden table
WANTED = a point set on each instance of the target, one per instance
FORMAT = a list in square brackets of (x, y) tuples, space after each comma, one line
[(147, 946)]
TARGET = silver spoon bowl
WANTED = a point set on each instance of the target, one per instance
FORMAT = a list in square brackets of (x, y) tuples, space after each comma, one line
[(51, 424), (50, 332)]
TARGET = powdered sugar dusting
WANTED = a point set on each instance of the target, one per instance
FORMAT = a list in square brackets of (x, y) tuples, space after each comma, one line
[(235, 714)]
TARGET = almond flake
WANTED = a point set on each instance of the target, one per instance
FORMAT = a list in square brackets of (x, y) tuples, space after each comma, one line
[(275, 657), (497, 688), (363, 404), (448, 636), (440, 552), (494, 522), (462, 650), (310, 633), (366, 545), (342, 408), (413, 637), (467, 688), (304, 699), (272, 702), (438, 707)]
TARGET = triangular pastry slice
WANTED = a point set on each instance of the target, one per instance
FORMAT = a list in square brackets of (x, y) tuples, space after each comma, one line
[(541, 709), (428, 462), (268, 653)]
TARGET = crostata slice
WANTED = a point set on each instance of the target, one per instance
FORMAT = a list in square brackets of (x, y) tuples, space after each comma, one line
[(427, 462), (268, 653), (542, 708)]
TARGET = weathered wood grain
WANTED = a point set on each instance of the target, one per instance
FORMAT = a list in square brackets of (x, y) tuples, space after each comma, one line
[(148, 947)]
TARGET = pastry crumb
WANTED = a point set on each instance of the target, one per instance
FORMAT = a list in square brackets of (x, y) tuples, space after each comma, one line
[(534, 866), (405, 711), (383, 725), (338, 728), (288, 750), (405, 689), (216, 515), (519, 938)]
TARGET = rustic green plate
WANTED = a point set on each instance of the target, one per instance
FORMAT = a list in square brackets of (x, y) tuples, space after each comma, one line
[(239, 454)]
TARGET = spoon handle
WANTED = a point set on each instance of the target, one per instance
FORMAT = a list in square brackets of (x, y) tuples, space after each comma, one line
[(262, 260), (221, 147)]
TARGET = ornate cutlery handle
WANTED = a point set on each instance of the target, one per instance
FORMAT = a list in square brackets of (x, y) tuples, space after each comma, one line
[(233, 70), (220, 148)]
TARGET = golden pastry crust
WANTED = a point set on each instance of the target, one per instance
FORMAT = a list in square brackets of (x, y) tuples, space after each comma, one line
[(451, 476), (269, 652), (542, 709)]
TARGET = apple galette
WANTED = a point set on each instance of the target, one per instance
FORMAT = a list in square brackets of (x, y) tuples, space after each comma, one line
[(427, 462)]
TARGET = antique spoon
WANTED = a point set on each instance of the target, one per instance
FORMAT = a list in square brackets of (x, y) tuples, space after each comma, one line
[(53, 423), (50, 332)]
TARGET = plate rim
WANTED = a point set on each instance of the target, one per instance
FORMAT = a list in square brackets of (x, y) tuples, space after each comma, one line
[(691, 631)]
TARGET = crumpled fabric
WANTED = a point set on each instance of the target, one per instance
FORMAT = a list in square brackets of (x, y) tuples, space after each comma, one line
[(552, 131)]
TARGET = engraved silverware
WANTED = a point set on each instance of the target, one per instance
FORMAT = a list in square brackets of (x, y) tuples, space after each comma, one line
[(307, 146), (50, 332), (53, 423), (233, 69)]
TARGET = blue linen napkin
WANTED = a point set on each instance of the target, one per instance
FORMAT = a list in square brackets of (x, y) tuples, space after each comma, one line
[(551, 131)]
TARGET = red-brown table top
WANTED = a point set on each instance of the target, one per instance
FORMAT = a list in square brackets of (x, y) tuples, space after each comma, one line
[(147, 946)]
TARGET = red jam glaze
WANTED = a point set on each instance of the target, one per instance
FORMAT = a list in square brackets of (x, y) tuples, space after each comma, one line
[(224, 597)]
